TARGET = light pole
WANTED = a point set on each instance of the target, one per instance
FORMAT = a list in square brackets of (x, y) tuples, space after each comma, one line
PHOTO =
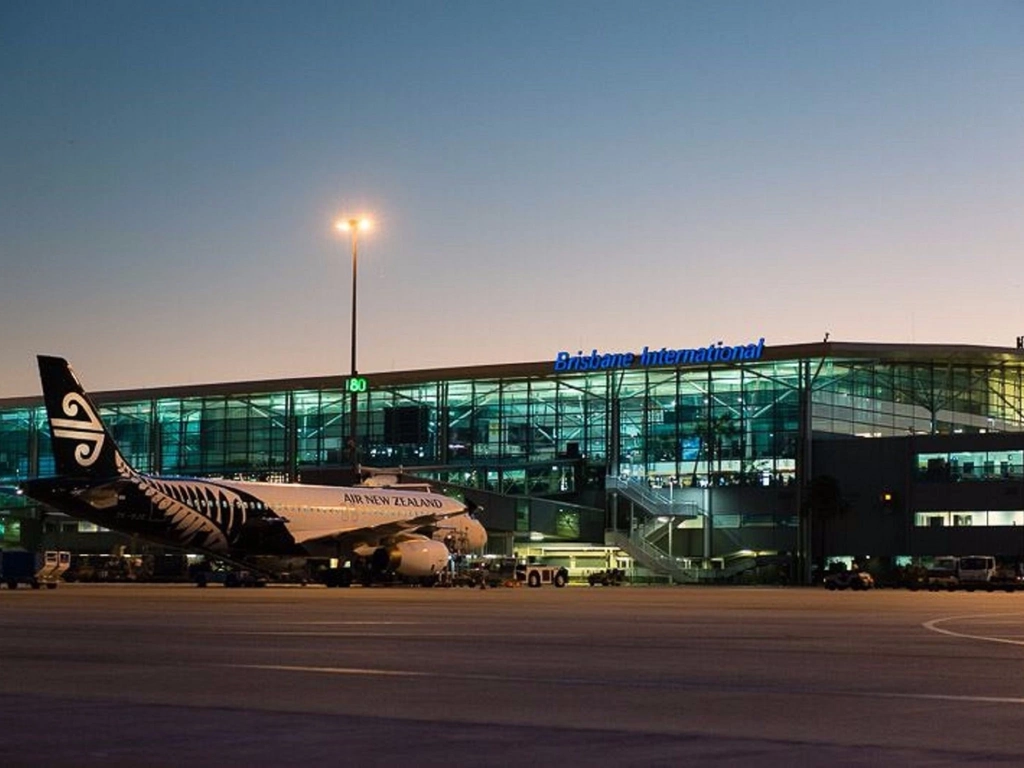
[(354, 227)]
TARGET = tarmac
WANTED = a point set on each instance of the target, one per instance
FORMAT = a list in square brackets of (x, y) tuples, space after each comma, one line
[(118, 675)]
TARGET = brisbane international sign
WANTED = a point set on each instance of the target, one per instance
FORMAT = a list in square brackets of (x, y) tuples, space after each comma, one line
[(715, 352)]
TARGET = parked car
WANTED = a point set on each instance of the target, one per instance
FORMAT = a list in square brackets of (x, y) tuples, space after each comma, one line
[(856, 580)]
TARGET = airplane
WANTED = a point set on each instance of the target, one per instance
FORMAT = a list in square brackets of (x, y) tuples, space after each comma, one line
[(264, 526)]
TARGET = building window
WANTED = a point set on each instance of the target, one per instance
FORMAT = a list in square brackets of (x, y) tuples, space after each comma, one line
[(969, 519)]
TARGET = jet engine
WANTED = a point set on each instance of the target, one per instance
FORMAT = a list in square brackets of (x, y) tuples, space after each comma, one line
[(461, 534), (412, 557)]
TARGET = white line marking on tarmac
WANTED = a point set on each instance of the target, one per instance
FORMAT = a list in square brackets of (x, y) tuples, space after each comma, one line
[(363, 671), (477, 677), (933, 626), (351, 623), (336, 670), (313, 633), (1014, 622), (403, 635), (952, 697)]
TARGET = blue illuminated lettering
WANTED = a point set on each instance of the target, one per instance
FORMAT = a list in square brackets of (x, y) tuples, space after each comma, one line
[(715, 352)]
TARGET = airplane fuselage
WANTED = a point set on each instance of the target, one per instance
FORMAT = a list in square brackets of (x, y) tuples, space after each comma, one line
[(228, 518), (408, 532)]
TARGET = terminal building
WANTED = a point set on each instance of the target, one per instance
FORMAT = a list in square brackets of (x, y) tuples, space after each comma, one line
[(684, 464)]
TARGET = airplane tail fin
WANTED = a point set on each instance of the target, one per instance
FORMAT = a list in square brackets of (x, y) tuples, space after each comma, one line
[(82, 447)]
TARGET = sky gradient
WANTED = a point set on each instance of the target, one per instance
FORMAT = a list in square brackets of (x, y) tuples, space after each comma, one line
[(544, 176)]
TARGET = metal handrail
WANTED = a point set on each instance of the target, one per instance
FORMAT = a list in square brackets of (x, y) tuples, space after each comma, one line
[(637, 490), (652, 557), (659, 561)]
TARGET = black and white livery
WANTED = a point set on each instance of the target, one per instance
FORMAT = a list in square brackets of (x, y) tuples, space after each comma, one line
[(257, 524)]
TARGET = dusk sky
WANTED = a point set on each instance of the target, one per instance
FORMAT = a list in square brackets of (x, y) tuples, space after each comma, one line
[(544, 176)]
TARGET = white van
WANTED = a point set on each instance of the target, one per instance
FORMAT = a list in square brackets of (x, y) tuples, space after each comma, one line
[(976, 570)]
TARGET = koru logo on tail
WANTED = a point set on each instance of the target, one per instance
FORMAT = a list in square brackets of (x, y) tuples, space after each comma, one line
[(82, 425)]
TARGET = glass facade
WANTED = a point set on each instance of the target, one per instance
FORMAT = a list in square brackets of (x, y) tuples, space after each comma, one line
[(961, 518), (529, 430), (883, 399), (970, 466)]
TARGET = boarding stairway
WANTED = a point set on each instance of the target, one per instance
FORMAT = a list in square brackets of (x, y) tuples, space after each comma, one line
[(658, 512), (655, 501), (651, 557)]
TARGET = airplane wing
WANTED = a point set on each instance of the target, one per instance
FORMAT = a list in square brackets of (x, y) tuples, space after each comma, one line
[(374, 534)]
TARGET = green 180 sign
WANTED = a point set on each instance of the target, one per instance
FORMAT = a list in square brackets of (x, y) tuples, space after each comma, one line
[(356, 384)]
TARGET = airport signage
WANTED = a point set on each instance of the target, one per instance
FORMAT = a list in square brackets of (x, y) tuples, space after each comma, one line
[(356, 384), (716, 352)]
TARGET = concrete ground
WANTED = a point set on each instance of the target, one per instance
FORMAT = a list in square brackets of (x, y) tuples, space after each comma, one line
[(112, 675)]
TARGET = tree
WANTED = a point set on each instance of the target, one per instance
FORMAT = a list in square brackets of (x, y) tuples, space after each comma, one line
[(710, 434)]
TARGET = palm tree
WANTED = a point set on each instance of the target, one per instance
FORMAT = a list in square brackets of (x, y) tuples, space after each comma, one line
[(710, 434)]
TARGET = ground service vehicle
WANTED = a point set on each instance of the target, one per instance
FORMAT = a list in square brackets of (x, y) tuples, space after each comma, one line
[(534, 575), (613, 577), (244, 578), (855, 580), (970, 572), (494, 572), (943, 574), (18, 567), (974, 571), (55, 565)]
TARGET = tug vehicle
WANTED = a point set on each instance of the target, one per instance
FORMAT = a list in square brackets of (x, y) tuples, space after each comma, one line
[(534, 575)]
